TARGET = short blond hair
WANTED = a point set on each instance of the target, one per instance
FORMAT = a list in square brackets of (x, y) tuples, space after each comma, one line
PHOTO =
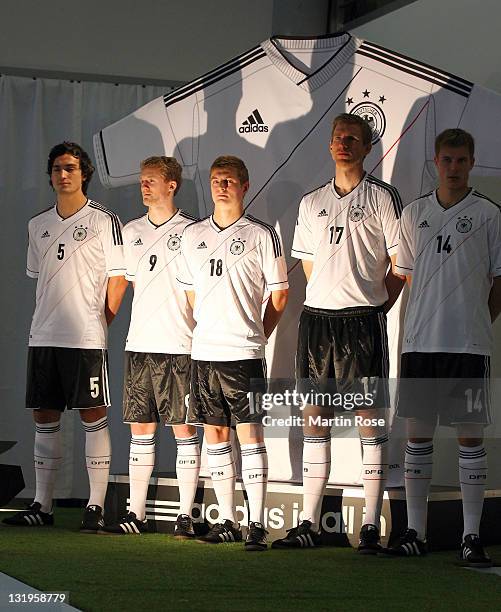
[(169, 167)]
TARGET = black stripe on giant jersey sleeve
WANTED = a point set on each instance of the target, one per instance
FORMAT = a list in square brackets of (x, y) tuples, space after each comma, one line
[(412, 66), (437, 81), (395, 196), (277, 248), (401, 57), (115, 223), (214, 72), (213, 78)]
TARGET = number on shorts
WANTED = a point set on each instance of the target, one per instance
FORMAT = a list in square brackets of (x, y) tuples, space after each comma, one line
[(473, 404), (94, 386)]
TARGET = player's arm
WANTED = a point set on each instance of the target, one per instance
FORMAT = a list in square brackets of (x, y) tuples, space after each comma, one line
[(190, 296), (274, 310), (307, 268), (394, 283), (495, 298), (117, 285)]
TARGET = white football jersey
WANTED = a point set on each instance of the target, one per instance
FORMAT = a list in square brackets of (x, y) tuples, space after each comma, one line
[(452, 255), (230, 270), (349, 239), (72, 259), (161, 319)]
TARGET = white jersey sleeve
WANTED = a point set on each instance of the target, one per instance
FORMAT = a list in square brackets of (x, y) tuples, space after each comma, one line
[(273, 262), (405, 254), (390, 211), (113, 246), (33, 257), (494, 238), (303, 244), (184, 274)]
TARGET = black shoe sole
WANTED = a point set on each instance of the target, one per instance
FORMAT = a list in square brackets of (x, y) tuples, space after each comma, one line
[(256, 547), (369, 551)]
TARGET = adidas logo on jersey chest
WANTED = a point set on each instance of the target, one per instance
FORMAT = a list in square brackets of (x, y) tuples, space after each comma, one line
[(253, 123)]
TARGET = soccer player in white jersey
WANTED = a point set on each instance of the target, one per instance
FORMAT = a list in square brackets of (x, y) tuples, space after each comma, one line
[(75, 252), (157, 357), (229, 261), (451, 249), (346, 236)]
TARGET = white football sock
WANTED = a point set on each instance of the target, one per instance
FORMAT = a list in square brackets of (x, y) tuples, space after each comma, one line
[(141, 463), (472, 478), (374, 472), (255, 477), (316, 470), (48, 457), (98, 459), (222, 471), (187, 470), (418, 469)]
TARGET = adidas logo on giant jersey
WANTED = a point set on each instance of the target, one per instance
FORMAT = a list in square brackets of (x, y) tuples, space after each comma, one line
[(202, 245), (423, 224), (322, 213), (138, 242), (45, 234), (253, 123)]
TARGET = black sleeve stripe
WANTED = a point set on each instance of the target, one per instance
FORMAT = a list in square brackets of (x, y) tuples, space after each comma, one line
[(403, 267), (316, 188), (216, 71), (115, 223), (187, 216), (277, 247), (484, 197), (395, 196), (298, 251), (203, 82), (42, 212)]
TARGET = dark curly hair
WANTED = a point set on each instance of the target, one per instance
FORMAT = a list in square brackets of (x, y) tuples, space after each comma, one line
[(74, 149)]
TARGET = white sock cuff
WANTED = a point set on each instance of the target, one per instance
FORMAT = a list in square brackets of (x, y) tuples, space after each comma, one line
[(374, 441), (142, 439), (101, 423), (321, 441), (472, 454), (48, 428), (417, 450), (191, 441), (256, 448), (220, 448)]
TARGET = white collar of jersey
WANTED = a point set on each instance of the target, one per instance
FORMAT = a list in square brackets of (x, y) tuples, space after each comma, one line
[(342, 45), (63, 219)]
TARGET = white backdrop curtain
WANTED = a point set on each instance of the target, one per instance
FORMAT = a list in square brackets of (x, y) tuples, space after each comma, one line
[(35, 114)]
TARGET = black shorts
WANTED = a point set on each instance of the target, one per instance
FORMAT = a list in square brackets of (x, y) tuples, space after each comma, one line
[(225, 390), (156, 386), (453, 387), (341, 353), (74, 378)]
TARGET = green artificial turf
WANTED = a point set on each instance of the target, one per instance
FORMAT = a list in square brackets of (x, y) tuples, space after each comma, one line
[(156, 572)]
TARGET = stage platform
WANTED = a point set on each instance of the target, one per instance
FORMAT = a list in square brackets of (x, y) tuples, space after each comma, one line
[(342, 510)]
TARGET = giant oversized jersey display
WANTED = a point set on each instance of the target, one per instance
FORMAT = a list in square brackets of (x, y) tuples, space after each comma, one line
[(452, 254), (72, 259), (273, 106)]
